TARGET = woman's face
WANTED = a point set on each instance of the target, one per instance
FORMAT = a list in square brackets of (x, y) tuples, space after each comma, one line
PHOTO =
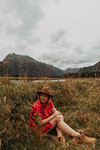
[(44, 98)]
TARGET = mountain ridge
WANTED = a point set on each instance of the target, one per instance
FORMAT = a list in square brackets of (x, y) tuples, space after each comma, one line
[(15, 65), (94, 68), (23, 65)]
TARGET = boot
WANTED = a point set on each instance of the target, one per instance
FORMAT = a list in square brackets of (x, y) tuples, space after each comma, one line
[(84, 139)]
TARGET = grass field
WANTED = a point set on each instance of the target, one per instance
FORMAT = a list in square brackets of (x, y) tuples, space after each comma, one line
[(77, 99)]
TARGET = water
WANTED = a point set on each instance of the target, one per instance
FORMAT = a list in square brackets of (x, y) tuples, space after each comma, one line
[(51, 80)]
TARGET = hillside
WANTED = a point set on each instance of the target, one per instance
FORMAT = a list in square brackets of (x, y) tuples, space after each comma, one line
[(72, 70), (94, 68), (90, 71), (15, 65), (21, 65)]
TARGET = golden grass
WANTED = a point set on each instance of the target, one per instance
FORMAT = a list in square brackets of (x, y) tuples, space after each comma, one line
[(77, 99)]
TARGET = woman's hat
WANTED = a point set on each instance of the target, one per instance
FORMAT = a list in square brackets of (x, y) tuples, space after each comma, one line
[(45, 90)]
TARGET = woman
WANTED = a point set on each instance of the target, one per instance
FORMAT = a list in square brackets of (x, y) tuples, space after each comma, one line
[(44, 117)]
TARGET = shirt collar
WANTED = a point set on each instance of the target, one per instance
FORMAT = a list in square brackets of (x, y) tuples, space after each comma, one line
[(44, 104)]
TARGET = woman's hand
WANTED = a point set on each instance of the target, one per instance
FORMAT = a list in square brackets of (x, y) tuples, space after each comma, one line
[(56, 113), (44, 121)]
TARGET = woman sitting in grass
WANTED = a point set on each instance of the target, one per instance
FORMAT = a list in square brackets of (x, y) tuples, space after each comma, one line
[(44, 117)]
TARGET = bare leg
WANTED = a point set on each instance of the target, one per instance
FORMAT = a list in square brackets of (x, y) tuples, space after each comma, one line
[(57, 121), (54, 124), (63, 127), (67, 129), (59, 133)]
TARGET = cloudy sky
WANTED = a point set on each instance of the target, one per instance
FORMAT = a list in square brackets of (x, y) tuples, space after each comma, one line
[(64, 33)]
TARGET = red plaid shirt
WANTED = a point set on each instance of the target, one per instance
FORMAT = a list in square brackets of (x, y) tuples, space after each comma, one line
[(41, 109)]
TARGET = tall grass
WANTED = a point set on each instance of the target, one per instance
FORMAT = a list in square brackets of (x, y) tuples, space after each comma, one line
[(77, 99)]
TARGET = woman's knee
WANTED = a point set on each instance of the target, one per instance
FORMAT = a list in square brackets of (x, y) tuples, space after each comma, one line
[(59, 118)]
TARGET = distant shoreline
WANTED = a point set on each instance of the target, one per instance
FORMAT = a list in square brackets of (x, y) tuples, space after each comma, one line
[(31, 78)]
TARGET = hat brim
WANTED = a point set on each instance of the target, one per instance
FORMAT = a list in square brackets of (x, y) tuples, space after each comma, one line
[(39, 92)]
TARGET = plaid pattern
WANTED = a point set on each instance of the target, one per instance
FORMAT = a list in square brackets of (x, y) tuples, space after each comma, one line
[(44, 110)]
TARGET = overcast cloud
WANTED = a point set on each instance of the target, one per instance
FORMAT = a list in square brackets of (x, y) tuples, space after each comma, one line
[(64, 33)]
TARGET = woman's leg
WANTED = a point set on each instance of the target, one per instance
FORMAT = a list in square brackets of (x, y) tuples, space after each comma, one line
[(59, 132), (63, 127), (67, 129), (54, 124)]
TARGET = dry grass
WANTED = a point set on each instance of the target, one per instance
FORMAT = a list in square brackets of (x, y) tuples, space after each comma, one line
[(77, 99)]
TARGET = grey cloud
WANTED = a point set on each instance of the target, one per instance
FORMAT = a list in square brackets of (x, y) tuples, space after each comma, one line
[(0, 26), (59, 42), (97, 47), (79, 49), (50, 57), (57, 0), (76, 57), (33, 40), (45, 1), (58, 37), (22, 46), (63, 51), (29, 12)]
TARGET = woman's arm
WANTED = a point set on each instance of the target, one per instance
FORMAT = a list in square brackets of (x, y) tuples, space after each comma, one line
[(44, 121), (54, 109)]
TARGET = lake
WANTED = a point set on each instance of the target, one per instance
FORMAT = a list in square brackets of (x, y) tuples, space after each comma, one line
[(50, 80)]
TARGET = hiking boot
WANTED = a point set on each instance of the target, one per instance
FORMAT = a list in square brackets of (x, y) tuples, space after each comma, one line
[(85, 139)]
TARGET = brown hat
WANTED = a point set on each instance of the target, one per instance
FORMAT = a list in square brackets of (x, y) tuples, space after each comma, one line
[(45, 90)]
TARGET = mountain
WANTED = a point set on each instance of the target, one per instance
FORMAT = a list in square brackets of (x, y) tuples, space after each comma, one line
[(87, 72), (94, 68), (71, 70), (21, 65), (15, 65)]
